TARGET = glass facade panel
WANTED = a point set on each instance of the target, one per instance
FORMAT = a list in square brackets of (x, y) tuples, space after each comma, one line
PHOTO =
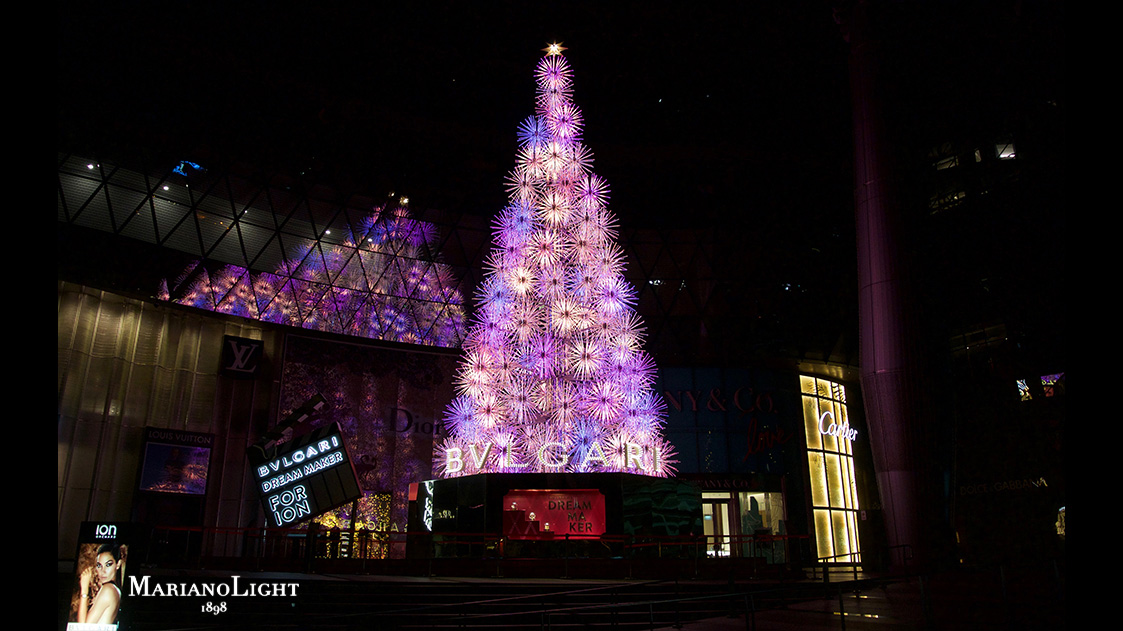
[(817, 468), (840, 530), (823, 536), (811, 420), (830, 465), (807, 385), (835, 489)]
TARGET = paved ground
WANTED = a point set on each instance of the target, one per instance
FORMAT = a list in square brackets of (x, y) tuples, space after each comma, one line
[(962, 600)]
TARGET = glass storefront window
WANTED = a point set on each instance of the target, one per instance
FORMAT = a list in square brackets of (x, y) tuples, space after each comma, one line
[(745, 524), (762, 518), (716, 523), (830, 460), (372, 526)]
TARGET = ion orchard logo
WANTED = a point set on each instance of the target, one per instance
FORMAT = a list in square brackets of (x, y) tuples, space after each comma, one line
[(105, 531)]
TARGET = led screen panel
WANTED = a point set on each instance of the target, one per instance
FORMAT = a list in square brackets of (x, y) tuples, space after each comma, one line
[(175, 461), (305, 477)]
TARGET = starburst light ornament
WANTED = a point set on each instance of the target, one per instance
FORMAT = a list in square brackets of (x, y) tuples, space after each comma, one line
[(554, 376)]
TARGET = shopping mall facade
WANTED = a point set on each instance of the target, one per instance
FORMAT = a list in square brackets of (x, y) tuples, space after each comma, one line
[(178, 352)]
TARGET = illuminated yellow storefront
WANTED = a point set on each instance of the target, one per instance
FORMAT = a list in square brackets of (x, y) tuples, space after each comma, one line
[(830, 460)]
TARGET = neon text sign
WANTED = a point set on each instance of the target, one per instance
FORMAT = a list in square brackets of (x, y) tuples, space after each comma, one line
[(551, 456), (305, 476), (842, 431)]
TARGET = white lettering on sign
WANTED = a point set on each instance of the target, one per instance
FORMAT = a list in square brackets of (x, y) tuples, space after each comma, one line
[(834, 429), (453, 461), (560, 458), (549, 456), (289, 506), (299, 456)]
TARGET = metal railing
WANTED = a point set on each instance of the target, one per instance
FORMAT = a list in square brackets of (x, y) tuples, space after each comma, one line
[(302, 549)]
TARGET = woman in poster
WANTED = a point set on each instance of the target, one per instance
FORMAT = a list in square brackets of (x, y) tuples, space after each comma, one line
[(103, 606)]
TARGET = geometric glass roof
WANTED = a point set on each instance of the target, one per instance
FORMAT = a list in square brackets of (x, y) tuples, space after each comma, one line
[(267, 252), (373, 283), (709, 293)]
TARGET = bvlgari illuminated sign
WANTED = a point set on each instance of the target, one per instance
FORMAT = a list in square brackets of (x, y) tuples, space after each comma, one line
[(551, 456), (306, 476)]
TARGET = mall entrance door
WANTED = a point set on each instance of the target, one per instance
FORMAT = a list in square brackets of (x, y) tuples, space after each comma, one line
[(716, 523)]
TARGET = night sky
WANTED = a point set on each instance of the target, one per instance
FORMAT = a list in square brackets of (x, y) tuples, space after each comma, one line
[(720, 110), (735, 115)]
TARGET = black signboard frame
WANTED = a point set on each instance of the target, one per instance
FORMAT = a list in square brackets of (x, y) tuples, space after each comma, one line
[(306, 476)]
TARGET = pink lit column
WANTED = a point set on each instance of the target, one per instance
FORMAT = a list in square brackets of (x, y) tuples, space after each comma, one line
[(891, 367)]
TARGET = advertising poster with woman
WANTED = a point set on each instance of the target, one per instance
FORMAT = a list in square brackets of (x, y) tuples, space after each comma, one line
[(99, 578)]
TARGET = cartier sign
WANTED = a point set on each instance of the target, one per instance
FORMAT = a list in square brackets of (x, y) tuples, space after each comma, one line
[(834, 429)]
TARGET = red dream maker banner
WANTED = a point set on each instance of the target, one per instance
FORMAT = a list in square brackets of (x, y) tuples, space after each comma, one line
[(553, 513)]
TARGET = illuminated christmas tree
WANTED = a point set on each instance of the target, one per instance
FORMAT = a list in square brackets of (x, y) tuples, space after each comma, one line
[(554, 376)]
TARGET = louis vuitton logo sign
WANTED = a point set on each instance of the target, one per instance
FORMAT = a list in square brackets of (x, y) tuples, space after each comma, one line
[(241, 357)]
